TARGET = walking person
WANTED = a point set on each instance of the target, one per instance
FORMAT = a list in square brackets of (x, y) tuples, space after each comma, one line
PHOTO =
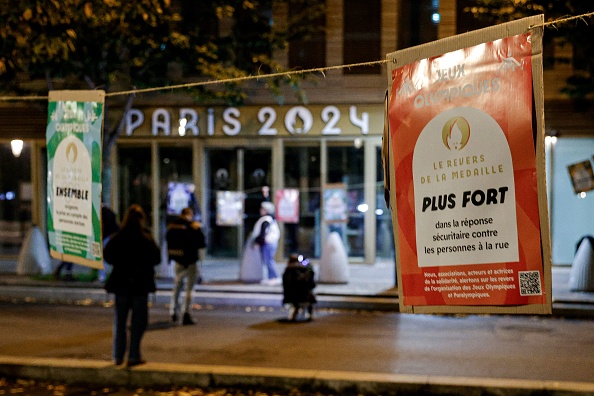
[(266, 234), (133, 254), (184, 241)]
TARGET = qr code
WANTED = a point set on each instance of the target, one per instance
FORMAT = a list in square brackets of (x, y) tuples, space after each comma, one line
[(530, 283), (95, 249)]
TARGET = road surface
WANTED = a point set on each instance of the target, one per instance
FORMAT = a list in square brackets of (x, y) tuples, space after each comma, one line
[(482, 346)]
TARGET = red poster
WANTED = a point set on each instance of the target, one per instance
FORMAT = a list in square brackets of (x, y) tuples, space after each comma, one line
[(287, 205), (464, 160)]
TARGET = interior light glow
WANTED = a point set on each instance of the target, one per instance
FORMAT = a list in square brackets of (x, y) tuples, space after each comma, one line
[(17, 147), (182, 127)]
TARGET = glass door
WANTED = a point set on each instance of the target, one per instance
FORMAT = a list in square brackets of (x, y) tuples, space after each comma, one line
[(176, 192), (346, 167), (221, 175), (257, 185), (247, 171), (385, 232), (302, 172), (135, 180)]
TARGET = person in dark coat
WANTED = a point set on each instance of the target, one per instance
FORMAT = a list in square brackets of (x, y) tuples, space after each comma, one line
[(133, 253), (298, 285), (184, 241)]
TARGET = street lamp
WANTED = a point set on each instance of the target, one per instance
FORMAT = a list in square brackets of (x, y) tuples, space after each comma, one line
[(17, 147)]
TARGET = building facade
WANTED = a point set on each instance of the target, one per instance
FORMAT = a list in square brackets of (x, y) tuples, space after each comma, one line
[(173, 147)]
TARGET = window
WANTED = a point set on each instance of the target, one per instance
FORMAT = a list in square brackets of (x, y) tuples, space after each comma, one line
[(255, 28), (15, 198), (346, 166), (465, 20), (417, 22), (385, 233), (302, 172), (307, 29), (362, 35), (570, 213), (233, 170), (135, 180), (177, 189), (222, 175), (257, 171)]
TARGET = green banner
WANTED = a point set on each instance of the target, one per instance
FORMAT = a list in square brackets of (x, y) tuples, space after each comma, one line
[(74, 126)]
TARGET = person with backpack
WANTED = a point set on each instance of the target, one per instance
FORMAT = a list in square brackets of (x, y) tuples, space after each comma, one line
[(184, 240), (266, 235)]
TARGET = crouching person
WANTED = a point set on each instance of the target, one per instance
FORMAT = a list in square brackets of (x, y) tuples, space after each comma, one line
[(298, 285)]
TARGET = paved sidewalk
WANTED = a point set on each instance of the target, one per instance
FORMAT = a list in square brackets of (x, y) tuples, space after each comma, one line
[(369, 287)]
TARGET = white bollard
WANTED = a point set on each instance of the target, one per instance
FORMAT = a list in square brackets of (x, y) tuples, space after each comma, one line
[(581, 276), (34, 257), (334, 262), (251, 269)]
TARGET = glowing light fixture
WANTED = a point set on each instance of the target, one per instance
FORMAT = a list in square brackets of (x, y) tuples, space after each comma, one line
[(550, 140), (182, 127), (363, 207), (17, 147)]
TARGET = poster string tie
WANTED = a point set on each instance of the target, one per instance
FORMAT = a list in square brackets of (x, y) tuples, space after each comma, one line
[(559, 21)]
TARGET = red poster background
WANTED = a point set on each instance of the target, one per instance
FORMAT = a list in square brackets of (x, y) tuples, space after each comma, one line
[(287, 205), (511, 107)]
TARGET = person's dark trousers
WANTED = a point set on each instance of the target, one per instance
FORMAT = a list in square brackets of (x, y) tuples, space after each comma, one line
[(138, 305)]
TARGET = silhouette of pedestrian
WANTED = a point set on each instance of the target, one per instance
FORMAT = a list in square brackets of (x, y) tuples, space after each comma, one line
[(184, 240), (266, 234), (133, 253)]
